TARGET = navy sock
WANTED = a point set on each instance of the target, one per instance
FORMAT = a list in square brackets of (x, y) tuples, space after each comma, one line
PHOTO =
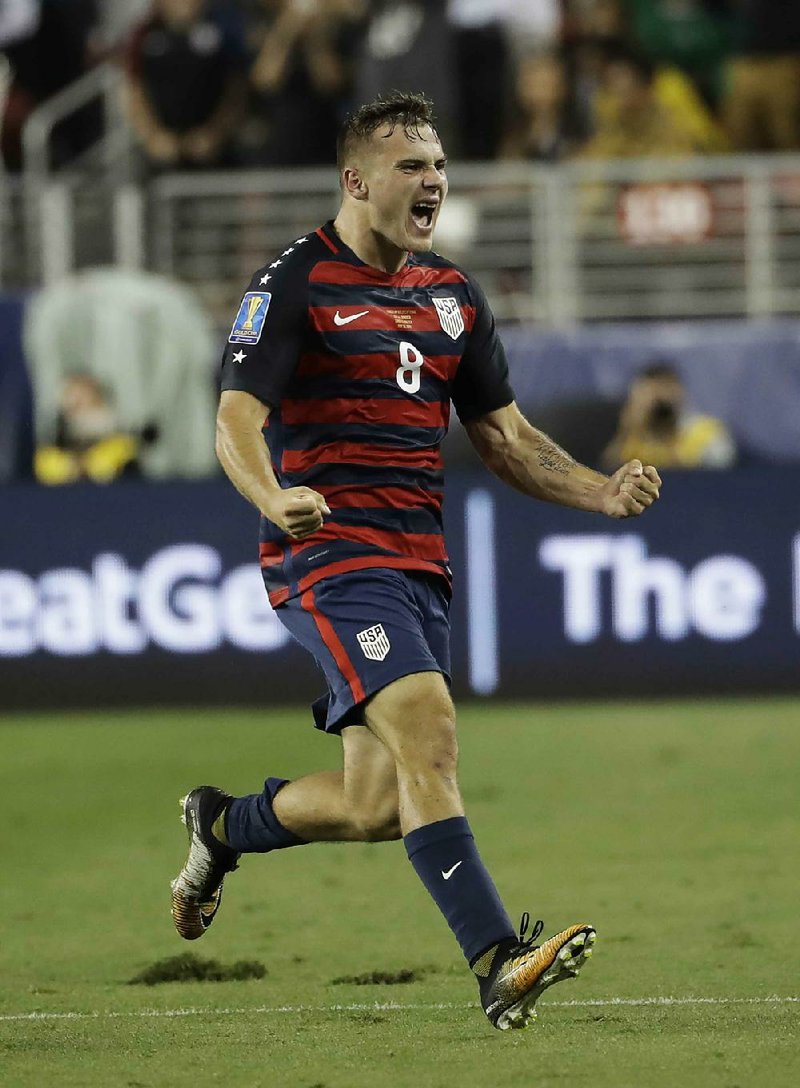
[(447, 862), (251, 826)]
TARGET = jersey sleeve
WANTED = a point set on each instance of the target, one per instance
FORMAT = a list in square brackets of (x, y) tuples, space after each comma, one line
[(481, 383), (267, 334)]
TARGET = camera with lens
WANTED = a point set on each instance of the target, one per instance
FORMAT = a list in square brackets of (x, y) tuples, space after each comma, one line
[(663, 416)]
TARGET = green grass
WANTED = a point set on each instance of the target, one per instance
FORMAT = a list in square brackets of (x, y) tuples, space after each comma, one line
[(672, 827)]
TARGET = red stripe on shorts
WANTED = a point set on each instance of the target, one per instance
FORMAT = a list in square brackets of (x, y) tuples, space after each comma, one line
[(334, 645)]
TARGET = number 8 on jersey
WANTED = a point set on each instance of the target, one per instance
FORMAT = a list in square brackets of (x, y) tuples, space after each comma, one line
[(408, 373)]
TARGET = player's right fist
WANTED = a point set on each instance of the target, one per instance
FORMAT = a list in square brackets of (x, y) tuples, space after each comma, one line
[(297, 510)]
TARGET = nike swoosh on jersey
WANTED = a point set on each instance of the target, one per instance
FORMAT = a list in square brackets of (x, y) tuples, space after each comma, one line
[(450, 872), (339, 320)]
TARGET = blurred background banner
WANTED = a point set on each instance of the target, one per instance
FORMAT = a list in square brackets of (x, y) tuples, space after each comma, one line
[(149, 593)]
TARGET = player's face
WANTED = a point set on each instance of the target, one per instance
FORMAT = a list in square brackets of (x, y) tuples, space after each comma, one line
[(405, 176)]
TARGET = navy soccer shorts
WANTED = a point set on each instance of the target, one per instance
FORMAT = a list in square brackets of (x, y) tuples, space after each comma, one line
[(365, 629)]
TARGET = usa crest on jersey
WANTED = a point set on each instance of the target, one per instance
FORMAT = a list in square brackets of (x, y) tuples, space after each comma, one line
[(374, 642), (450, 316)]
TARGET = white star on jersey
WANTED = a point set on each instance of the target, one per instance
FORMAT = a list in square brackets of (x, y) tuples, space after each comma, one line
[(265, 279), (287, 251), (275, 264), (239, 357), (300, 241)]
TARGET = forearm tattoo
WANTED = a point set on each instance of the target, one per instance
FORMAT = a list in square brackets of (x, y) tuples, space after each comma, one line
[(552, 458)]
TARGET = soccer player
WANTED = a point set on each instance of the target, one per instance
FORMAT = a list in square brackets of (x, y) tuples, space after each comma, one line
[(344, 356)]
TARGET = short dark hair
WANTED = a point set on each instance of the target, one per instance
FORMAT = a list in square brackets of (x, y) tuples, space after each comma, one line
[(411, 110)]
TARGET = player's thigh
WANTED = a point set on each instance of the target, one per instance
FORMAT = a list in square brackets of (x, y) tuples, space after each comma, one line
[(415, 718), (370, 782)]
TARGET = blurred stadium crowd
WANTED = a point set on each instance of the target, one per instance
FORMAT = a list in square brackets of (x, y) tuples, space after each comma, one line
[(213, 83), (242, 84)]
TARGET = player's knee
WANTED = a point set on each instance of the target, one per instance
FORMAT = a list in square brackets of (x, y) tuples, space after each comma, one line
[(431, 746), (440, 756), (435, 746), (379, 823), (416, 721)]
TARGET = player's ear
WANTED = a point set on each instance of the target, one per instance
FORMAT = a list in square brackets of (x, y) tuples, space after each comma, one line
[(354, 184)]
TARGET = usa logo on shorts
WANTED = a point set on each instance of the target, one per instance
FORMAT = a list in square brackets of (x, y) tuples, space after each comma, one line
[(450, 316), (374, 642)]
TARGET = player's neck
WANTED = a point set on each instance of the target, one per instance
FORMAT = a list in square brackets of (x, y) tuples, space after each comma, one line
[(372, 248)]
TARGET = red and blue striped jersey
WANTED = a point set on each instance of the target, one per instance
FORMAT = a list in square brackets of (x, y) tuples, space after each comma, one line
[(359, 367)]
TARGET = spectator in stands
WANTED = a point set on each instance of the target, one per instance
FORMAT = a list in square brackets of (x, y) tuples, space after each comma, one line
[(762, 105), (483, 70), (592, 29), (533, 25), (408, 46), (596, 19), (546, 124), (640, 114), (185, 84), (694, 36), (655, 420), (89, 444), (303, 76), (46, 43), (487, 35)]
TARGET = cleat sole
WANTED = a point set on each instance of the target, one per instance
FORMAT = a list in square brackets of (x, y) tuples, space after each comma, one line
[(197, 889), (567, 964), (187, 917), (192, 918)]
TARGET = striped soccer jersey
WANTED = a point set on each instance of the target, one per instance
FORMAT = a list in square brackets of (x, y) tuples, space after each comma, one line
[(358, 367)]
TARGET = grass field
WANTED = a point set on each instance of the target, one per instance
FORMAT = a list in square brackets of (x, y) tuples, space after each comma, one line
[(672, 827)]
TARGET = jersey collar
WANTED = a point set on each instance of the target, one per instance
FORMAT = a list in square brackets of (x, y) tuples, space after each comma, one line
[(344, 252)]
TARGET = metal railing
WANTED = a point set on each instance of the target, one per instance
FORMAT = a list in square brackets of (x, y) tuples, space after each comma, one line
[(584, 241), (103, 83), (57, 202), (577, 242)]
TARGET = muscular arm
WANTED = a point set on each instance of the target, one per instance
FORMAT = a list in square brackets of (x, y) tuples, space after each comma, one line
[(271, 66), (529, 461), (244, 456)]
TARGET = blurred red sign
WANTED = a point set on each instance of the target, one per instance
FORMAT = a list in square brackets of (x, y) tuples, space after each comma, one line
[(665, 213)]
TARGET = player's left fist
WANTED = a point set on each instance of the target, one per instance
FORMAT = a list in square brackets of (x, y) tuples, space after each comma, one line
[(631, 489)]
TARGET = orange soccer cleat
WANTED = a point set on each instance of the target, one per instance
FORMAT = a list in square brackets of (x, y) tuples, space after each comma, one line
[(516, 975)]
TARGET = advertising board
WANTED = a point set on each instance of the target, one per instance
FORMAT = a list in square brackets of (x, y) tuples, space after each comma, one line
[(150, 593)]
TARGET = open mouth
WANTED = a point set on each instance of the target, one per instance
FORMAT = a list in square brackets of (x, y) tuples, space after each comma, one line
[(422, 214)]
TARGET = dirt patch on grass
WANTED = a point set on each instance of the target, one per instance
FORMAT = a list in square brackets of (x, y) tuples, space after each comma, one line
[(382, 978), (191, 968)]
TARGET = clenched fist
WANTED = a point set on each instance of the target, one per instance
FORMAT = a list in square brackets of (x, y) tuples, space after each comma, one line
[(297, 510), (630, 490)]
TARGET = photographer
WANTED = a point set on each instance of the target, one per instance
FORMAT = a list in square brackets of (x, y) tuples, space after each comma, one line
[(655, 426)]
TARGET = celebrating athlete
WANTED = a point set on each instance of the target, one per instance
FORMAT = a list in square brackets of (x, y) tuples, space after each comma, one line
[(344, 356)]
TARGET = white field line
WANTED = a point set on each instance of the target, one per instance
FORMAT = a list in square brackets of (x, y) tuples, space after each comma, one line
[(392, 1006)]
